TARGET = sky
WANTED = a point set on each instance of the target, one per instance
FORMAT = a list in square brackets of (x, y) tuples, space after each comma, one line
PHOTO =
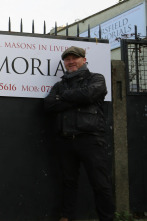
[(61, 11)]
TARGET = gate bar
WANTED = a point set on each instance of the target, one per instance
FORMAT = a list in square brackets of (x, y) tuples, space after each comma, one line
[(9, 25), (136, 59), (33, 27), (67, 29), (44, 29), (89, 31), (21, 26), (77, 29)]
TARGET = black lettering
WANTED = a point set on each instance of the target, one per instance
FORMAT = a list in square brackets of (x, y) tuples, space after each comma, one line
[(125, 21), (13, 65), (113, 34), (109, 28), (58, 69), (129, 28), (121, 32), (7, 67), (113, 26), (33, 66), (117, 25), (105, 30)]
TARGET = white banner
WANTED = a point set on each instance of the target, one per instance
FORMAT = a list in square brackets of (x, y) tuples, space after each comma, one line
[(30, 66), (121, 26)]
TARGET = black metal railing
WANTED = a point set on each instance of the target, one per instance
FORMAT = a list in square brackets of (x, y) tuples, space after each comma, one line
[(134, 54), (55, 29)]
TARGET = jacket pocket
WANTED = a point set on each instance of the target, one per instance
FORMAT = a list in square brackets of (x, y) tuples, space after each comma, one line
[(87, 120)]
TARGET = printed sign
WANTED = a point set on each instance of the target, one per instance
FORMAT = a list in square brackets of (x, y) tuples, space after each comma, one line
[(121, 26), (30, 66)]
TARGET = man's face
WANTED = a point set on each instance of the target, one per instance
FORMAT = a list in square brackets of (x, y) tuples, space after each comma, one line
[(73, 63)]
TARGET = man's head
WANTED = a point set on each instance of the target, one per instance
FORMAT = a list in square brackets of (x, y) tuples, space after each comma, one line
[(73, 58)]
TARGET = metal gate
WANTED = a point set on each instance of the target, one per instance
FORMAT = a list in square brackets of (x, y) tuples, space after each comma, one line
[(134, 54)]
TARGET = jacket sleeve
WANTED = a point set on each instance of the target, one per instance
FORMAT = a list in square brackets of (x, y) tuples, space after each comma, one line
[(89, 93), (53, 103)]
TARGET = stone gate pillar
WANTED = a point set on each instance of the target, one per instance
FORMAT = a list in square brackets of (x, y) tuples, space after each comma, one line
[(120, 136)]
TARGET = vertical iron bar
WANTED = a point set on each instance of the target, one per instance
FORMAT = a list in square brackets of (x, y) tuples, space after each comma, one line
[(89, 31), (137, 67), (123, 48), (136, 32), (33, 27), (136, 60), (67, 29), (9, 25), (124, 57), (100, 32), (56, 28), (21, 26), (77, 29), (44, 29)]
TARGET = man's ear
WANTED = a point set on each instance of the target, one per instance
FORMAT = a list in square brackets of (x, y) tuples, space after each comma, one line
[(84, 60)]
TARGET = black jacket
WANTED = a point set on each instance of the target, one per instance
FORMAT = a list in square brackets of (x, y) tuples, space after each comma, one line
[(78, 104)]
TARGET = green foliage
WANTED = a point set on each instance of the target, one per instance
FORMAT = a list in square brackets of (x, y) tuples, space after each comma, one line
[(123, 216)]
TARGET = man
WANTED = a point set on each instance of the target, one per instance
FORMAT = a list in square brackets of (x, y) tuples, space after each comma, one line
[(78, 101)]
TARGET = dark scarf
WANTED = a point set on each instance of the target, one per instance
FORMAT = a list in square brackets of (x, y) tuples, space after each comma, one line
[(68, 75)]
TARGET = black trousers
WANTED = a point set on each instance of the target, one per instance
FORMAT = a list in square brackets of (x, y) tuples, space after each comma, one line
[(91, 152)]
